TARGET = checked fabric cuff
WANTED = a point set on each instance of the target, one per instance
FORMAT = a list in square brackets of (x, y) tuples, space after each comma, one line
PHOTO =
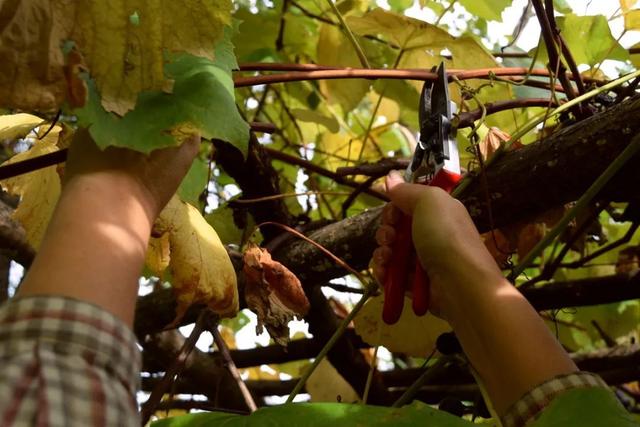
[(65, 362), (528, 407)]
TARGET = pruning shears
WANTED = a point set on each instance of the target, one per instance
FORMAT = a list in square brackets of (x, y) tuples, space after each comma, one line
[(435, 162)]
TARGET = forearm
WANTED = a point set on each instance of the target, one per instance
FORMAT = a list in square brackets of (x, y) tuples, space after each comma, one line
[(95, 245), (504, 338)]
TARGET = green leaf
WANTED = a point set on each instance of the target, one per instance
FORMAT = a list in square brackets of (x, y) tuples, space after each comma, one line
[(488, 9), (235, 324), (257, 36), (400, 5), (402, 31), (221, 220), (591, 407), (322, 415), (202, 100), (194, 182), (562, 6), (589, 39), (315, 117)]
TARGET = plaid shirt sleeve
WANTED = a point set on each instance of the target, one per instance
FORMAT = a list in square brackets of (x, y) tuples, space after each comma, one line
[(65, 362), (525, 411)]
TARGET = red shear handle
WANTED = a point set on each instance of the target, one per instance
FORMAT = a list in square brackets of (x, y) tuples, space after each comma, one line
[(395, 282), (397, 271)]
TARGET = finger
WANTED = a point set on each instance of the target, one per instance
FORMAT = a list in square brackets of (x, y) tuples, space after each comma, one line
[(382, 255), (404, 196), (385, 235), (390, 214)]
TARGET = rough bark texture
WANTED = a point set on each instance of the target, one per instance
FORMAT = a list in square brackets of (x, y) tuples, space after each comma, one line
[(558, 169)]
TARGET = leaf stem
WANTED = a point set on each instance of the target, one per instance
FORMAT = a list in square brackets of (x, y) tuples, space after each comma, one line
[(426, 376), (350, 36), (329, 345), (580, 205)]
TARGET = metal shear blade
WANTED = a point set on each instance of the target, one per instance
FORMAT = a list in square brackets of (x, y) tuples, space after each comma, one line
[(437, 147)]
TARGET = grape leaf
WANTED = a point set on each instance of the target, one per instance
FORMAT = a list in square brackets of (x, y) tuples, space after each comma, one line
[(327, 385), (335, 49), (200, 267), (404, 32), (123, 45), (194, 182), (590, 407), (490, 10), (589, 39), (13, 126), (126, 57), (315, 117), (400, 337), (321, 415), (202, 101)]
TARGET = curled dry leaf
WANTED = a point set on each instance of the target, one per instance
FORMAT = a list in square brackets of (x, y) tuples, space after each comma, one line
[(199, 264), (273, 292), (412, 335), (495, 139)]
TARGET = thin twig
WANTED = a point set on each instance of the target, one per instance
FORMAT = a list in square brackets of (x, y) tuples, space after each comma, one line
[(539, 119), (329, 345), (355, 193), (322, 249), (311, 167), (372, 370), (428, 374), (149, 407), (595, 254), (231, 366), (466, 119), (286, 195)]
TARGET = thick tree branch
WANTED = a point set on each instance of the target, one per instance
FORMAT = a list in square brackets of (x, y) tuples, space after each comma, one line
[(558, 169)]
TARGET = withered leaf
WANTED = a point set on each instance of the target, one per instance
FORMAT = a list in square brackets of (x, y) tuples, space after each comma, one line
[(273, 292)]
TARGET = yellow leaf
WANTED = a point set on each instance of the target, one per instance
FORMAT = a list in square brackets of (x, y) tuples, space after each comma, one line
[(335, 49), (38, 190), (404, 32), (340, 146), (123, 43), (412, 335), (200, 267), (389, 108), (632, 20), (327, 385), (626, 5), (14, 126)]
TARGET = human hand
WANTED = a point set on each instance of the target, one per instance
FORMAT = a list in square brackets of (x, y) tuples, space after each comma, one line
[(447, 242), (152, 178)]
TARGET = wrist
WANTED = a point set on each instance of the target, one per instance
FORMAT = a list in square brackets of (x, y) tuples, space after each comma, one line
[(112, 194)]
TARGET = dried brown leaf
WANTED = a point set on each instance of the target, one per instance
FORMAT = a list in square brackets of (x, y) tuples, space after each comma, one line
[(273, 292)]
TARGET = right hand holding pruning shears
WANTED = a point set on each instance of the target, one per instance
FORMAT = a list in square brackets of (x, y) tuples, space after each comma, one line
[(435, 163)]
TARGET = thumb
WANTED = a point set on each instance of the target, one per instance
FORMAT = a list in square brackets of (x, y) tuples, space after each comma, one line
[(403, 195)]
